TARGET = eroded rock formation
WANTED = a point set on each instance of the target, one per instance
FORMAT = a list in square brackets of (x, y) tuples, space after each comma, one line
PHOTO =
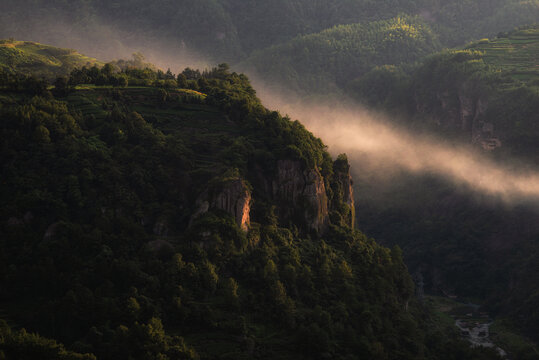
[(298, 195), (235, 198), (232, 196), (301, 191), (465, 110), (343, 191)]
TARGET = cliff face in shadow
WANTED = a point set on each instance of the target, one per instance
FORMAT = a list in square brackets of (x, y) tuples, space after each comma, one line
[(300, 192)]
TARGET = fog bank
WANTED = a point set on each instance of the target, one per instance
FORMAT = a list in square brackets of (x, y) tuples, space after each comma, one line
[(376, 145)]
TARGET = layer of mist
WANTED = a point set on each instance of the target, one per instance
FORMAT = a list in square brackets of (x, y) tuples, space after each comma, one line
[(103, 41), (375, 145), (370, 141)]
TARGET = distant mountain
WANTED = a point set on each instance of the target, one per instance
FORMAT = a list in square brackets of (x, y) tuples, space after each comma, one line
[(325, 62), (485, 93), (230, 30)]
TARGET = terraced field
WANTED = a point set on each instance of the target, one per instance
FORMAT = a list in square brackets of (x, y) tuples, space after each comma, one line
[(516, 53), (202, 128), (39, 59)]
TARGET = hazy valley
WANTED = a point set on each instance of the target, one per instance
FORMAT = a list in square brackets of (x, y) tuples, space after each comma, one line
[(370, 190)]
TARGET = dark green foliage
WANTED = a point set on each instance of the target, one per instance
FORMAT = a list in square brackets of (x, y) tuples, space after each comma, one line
[(435, 93), (97, 203), (235, 28), (384, 86), (61, 87), (325, 62), (27, 346), (20, 83)]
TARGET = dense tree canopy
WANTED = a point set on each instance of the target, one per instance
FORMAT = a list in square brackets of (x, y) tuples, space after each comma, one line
[(231, 29), (98, 198)]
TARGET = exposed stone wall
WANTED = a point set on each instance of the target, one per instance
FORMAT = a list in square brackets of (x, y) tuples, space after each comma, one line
[(235, 198), (232, 196), (465, 109), (345, 182), (301, 191)]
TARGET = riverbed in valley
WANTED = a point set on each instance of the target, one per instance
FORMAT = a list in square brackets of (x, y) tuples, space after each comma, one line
[(477, 331), (470, 320)]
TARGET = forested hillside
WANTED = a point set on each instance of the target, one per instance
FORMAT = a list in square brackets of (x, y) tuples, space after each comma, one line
[(177, 218), (485, 95), (513, 52), (324, 63), (148, 213), (230, 30)]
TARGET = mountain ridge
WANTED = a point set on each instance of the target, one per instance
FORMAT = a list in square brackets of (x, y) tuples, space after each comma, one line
[(97, 209)]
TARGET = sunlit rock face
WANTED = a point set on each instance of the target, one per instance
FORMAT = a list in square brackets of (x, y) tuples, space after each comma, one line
[(232, 196), (235, 198), (316, 213), (298, 194)]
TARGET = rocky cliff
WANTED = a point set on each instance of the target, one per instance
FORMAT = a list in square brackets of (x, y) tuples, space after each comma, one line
[(463, 109), (231, 195), (301, 193), (235, 198), (343, 192)]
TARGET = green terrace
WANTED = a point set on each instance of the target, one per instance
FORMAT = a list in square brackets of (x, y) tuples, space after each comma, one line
[(517, 53), (179, 112), (39, 59)]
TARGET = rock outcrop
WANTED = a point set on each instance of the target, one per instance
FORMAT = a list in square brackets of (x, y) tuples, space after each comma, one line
[(472, 111), (345, 194), (342, 202), (297, 194), (235, 198), (464, 110), (301, 192), (232, 196)]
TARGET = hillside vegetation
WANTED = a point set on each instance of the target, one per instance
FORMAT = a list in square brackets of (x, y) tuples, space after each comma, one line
[(230, 30), (515, 53), (40, 60), (177, 218), (486, 95), (325, 62)]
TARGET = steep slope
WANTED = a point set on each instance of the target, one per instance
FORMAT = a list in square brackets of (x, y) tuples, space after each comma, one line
[(152, 222), (485, 95)]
